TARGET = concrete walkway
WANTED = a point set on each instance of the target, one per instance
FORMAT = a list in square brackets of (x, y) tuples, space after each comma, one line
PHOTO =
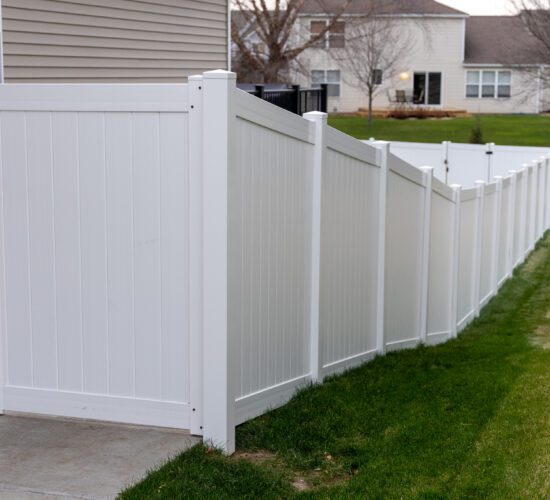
[(46, 458)]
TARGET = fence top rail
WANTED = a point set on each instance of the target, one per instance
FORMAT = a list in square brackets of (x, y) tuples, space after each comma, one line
[(102, 97), (468, 194), (405, 170), (416, 145), (264, 114), (348, 146), (442, 189)]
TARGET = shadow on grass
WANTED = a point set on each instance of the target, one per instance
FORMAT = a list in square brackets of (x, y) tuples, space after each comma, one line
[(402, 426)]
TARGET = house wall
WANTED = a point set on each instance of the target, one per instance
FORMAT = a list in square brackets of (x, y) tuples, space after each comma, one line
[(113, 40), (438, 47), (524, 99)]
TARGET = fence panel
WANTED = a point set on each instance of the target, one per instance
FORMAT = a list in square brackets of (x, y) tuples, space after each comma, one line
[(269, 253), (94, 189), (349, 252), (404, 254), (441, 264)]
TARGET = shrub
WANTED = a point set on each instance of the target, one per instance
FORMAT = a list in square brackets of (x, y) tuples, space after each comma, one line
[(476, 136)]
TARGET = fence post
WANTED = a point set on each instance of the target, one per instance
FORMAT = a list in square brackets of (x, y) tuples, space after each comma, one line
[(524, 213), (425, 269), (510, 261), (218, 361), (533, 205), (260, 91), (455, 259), (547, 194), (541, 197), (480, 201), (195, 251), (315, 352), (324, 97), (489, 153), (445, 151), (496, 236), (383, 148), (296, 89)]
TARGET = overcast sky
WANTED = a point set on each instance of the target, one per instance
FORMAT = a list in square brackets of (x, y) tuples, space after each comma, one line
[(480, 7)]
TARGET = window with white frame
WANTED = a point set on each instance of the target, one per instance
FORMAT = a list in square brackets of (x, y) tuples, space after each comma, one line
[(334, 38), (488, 84), (330, 77)]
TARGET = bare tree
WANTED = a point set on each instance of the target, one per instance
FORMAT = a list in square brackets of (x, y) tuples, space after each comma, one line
[(530, 53), (273, 22), (374, 50)]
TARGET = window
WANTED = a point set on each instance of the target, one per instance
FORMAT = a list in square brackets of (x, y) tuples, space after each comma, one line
[(337, 36), (488, 81), (472, 84), (317, 27), (330, 77), (488, 84), (377, 76), (334, 39), (504, 84), (427, 88)]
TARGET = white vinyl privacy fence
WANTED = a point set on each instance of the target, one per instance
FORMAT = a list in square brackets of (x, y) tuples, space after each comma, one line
[(189, 255), (464, 164)]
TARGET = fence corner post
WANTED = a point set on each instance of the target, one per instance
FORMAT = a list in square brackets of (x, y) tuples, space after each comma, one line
[(218, 363), (382, 161), (496, 236), (195, 253), (455, 258), (480, 199), (425, 263), (319, 156)]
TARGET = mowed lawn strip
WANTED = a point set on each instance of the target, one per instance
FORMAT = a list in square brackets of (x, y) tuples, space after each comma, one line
[(465, 419), (514, 130)]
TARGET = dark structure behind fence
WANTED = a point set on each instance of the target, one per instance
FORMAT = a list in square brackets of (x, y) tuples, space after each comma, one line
[(294, 99)]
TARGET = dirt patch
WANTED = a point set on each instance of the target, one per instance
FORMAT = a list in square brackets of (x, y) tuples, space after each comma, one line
[(535, 260), (541, 337), (256, 457)]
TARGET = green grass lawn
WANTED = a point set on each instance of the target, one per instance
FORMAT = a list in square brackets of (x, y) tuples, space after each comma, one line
[(516, 130), (465, 419)]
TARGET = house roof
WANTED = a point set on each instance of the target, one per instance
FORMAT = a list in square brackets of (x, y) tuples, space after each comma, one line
[(414, 7), (500, 40)]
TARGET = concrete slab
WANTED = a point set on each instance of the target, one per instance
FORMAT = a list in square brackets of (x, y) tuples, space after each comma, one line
[(49, 458)]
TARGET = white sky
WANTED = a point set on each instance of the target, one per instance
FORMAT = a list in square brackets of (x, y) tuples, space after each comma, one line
[(481, 7)]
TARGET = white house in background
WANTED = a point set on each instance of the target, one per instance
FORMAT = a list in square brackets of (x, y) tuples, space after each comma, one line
[(457, 61), (111, 40)]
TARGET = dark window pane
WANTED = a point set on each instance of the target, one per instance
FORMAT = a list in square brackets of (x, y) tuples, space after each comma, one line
[(419, 92), (434, 88), (472, 90), (377, 76), (487, 91)]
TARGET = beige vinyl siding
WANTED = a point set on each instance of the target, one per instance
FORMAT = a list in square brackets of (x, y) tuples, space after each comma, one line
[(112, 40)]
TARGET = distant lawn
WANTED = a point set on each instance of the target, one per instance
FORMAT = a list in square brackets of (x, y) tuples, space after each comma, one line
[(516, 130), (465, 419)]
